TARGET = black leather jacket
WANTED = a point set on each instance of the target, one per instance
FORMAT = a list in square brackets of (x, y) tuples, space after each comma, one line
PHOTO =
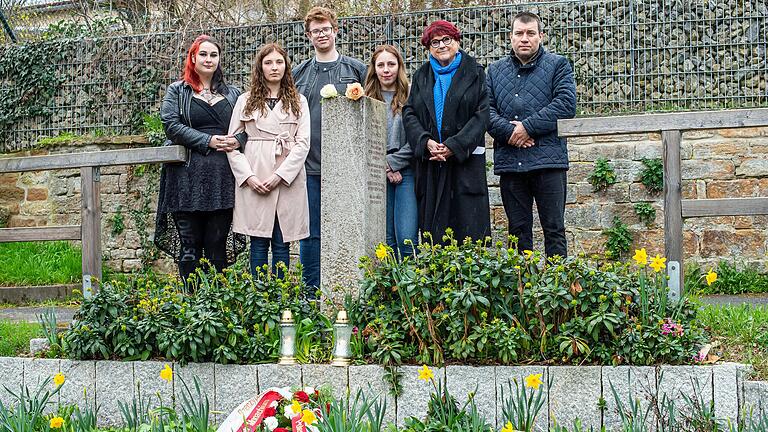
[(349, 71), (174, 112)]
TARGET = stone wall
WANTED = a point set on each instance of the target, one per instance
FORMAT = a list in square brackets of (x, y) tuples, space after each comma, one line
[(575, 391), (628, 55), (727, 163)]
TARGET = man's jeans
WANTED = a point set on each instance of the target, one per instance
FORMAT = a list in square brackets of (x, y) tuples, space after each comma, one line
[(402, 215), (547, 187), (309, 254)]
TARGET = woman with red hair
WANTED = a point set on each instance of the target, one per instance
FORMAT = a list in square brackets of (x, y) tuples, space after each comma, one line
[(445, 120), (197, 197)]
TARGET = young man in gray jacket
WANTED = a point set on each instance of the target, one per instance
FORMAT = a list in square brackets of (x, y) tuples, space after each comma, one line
[(529, 91), (326, 67)]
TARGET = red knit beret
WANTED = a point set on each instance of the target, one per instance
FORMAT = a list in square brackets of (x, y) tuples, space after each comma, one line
[(439, 28)]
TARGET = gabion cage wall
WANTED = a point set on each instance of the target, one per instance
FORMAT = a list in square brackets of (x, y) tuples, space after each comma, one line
[(628, 56)]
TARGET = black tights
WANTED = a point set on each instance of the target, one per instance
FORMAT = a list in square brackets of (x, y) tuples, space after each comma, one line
[(202, 235)]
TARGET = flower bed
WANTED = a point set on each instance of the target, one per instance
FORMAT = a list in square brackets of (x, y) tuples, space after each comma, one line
[(471, 302)]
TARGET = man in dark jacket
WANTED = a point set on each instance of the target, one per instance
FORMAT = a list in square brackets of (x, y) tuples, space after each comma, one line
[(326, 67), (529, 91)]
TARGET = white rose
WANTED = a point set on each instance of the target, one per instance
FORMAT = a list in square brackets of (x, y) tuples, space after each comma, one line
[(285, 393), (328, 91), (271, 423), (309, 390), (288, 412)]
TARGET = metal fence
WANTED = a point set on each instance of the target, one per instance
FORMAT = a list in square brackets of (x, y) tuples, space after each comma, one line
[(628, 56)]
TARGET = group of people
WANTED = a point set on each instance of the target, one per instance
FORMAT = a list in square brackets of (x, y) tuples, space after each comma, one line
[(253, 166)]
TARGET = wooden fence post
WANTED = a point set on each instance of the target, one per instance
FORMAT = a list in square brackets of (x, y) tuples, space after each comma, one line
[(673, 207), (91, 228)]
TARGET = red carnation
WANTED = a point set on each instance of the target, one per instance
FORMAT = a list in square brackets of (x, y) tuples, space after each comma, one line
[(301, 396), (270, 411)]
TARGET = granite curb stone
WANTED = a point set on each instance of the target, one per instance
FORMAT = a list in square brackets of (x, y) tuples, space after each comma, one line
[(119, 388)]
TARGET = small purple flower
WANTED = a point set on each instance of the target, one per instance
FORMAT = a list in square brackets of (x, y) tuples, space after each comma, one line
[(354, 330), (670, 327), (698, 358)]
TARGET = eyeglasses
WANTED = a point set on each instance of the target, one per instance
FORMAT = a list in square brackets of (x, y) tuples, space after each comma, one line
[(323, 31), (435, 43)]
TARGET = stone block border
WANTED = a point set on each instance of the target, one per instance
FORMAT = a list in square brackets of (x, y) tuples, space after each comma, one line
[(576, 391)]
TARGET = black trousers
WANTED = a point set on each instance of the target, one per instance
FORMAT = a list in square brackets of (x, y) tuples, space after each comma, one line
[(202, 235), (547, 188)]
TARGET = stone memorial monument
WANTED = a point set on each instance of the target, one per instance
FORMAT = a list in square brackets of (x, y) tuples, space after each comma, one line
[(353, 190)]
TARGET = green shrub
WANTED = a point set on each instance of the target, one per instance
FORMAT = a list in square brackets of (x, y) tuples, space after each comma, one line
[(228, 317), (486, 303), (652, 175), (618, 239), (602, 176), (646, 213), (732, 278)]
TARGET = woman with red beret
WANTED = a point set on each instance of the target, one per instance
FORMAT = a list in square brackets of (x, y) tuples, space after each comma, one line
[(445, 121)]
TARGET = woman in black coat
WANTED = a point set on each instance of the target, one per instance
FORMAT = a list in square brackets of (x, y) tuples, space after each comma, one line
[(194, 210), (445, 120)]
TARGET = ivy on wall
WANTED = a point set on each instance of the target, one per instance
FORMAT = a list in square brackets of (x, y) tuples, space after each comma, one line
[(29, 81)]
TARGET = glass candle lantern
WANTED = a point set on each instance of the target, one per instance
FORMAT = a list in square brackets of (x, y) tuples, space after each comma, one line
[(343, 332), (287, 339)]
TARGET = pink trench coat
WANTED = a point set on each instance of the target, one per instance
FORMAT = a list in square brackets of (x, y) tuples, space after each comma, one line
[(277, 143)]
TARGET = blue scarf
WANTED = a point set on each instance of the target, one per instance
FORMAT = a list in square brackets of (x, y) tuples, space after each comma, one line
[(443, 77)]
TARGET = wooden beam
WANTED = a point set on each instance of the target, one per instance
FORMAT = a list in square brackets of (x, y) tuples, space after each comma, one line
[(91, 222), (725, 207), (643, 123), (673, 208), (94, 159), (66, 232)]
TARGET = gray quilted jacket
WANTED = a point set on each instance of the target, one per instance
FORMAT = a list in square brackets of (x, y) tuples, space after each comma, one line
[(537, 94)]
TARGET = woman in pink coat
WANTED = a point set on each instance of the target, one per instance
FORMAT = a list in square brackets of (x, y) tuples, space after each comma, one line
[(271, 185)]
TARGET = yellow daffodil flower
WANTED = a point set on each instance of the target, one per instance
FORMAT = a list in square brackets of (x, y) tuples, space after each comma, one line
[(641, 257), (711, 277), (381, 251), (296, 407), (56, 423), (533, 381), (308, 417), (58, 379), (425, 373), (657, 263), (167, 373), (508, 428), (528, 253)]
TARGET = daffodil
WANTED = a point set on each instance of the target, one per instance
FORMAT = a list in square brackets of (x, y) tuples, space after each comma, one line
[(657, 263), (711, 277), (533, 381), (641, 257), (508, 428), (308, 417), (58, 379), (425, 373), (56, 423), (296, 407), (381, 251), (528, 253), (167, 373)]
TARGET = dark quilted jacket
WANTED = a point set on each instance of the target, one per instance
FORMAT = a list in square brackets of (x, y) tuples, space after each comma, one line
[(537, 94)]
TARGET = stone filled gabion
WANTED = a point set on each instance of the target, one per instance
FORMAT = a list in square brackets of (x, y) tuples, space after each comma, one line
[(628, 55)]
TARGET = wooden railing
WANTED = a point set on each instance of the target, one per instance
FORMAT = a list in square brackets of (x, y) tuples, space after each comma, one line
[(89, 230), (671, 126)]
